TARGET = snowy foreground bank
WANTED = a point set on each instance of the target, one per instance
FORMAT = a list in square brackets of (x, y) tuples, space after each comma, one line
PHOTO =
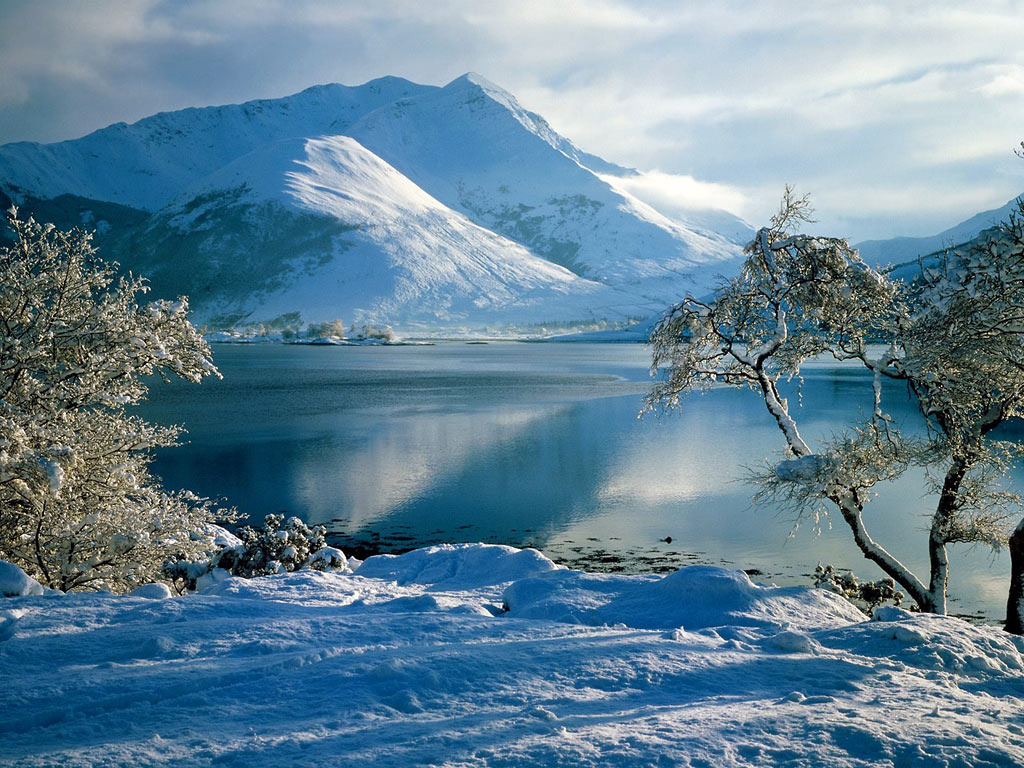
[(479, 655)]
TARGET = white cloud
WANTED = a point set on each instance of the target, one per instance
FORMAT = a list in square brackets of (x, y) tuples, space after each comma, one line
[(675, 194), (1007, 81)]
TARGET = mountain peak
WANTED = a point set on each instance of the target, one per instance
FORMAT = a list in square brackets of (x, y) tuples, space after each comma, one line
[(390, 83), (476, 83), (474, 79)]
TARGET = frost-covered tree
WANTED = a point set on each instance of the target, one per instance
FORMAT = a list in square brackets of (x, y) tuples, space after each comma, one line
[(78, 507), (326, 329), (371, 332), (953, 337)]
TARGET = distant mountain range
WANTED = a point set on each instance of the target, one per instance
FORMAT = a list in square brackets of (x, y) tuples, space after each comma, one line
[(437, 210), (900, 250)]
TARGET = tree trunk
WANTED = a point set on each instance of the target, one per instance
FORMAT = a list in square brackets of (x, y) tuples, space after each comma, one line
[(939, 577), (1015, 601), (938, 536), (853, 515)]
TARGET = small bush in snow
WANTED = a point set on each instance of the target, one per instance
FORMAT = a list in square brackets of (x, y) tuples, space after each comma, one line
[(277, 547), (866, 595), (280, 546)]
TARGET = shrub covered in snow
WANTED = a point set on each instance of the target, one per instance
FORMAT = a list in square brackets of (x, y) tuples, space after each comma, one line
[(78, 507), (383, 333), (279, 546), (866, 595)]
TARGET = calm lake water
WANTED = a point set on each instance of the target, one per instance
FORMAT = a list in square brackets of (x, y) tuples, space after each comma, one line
[(531, 445)]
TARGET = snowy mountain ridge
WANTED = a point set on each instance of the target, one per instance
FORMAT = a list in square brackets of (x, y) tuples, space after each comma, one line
[(899, 250), (430, 208), (145, 164)]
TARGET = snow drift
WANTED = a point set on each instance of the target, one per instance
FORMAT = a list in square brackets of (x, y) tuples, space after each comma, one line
[(411, 660)]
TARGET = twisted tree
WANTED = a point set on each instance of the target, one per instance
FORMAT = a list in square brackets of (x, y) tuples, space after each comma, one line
[(954, 336)]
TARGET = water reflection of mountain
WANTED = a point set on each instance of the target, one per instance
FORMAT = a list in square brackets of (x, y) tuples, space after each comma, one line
[(528, 444), (506, 476), (360, 435)]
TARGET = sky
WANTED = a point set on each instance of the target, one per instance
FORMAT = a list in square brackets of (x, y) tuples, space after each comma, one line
[(898, 118)]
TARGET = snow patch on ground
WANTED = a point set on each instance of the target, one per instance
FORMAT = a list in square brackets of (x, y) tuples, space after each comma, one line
[(409, 661), (152, 591), (458, 566), (696, 597), (14, 582)]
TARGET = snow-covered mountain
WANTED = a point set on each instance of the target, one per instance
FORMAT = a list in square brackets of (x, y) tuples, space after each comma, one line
[(432, 209), (339, 232), (146, 164), (899, 250)]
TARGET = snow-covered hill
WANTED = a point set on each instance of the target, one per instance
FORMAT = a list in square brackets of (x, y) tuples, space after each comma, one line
[(432, 209), (343, 234)]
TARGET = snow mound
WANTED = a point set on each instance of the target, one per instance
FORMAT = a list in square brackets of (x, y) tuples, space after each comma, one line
[(458, 566), (311, 589), (789, 641), (152, 592), (694, 597), (941, 645), (306, 587), (14, 582), (328, 558)]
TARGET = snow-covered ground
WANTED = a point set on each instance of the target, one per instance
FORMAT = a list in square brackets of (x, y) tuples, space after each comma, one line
[(476, 655)]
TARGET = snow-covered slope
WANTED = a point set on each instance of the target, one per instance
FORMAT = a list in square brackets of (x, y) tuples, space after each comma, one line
[(475, 212), (412, 661), (473, 147), (146, 164), (902, 249), (361, 242)]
